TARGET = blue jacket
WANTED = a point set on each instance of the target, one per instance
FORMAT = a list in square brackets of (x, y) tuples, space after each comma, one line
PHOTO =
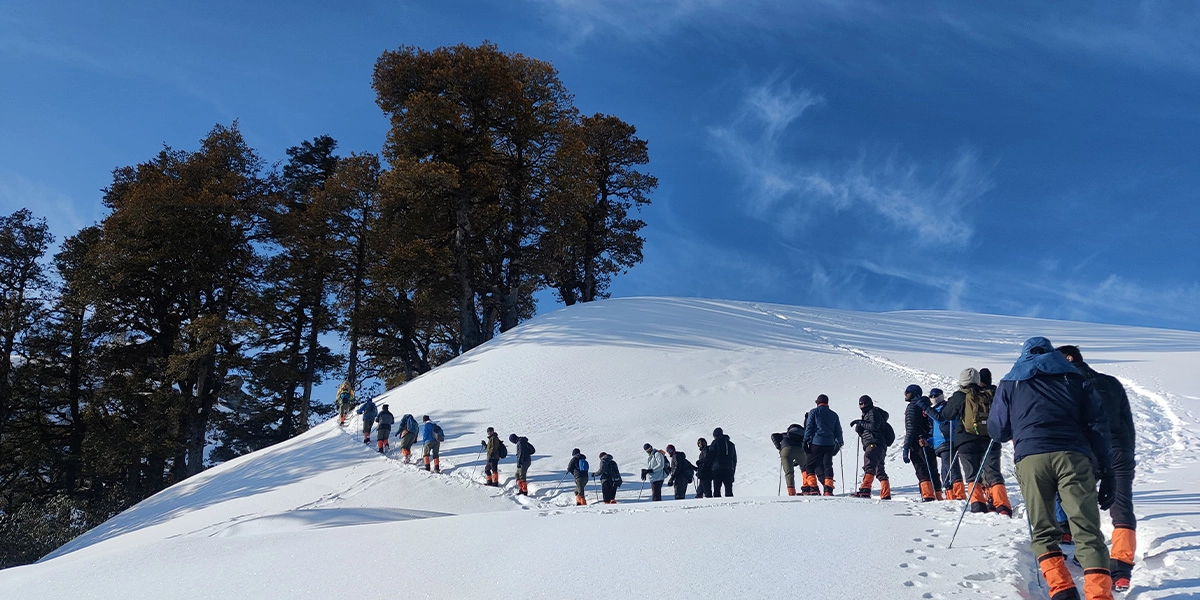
[(1043, 410), (427, 432), (368, 411), (941, 429), (824, 427)]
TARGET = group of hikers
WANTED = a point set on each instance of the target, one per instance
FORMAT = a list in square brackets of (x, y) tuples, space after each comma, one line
[(1071, 428)]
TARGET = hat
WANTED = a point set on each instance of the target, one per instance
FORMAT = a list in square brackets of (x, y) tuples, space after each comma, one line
[(985, 376), (384, 407), (822, 399), (575, 451), (935, 392), (603, 454), (865, 399), (512, 437), (913, 389), (968, 376), (647, 447), (425, 418), (718, 432), (670, 449)]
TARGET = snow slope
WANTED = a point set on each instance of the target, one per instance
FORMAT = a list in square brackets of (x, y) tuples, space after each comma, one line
[(323, 516)]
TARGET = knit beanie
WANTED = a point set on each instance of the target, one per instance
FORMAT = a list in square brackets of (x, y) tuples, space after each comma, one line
[(913, 389), (718, 432), (968, 376), (512, 437)]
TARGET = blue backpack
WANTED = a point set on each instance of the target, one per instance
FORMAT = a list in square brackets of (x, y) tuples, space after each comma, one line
[(582, 467)]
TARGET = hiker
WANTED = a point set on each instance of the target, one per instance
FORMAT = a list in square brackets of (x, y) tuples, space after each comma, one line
[(384, 430), (722, 455), (344, 399), (870, 429), (656, 469), (791, 453), (610, 478), (495, 451), (407, 435), (951, 475), (578, 468), (368, 412), (1060, 437), (525, 452), (918, 445), (682, 471), (1115, 404), (703, 470), (970, 406), (430, 437), (822, 440)]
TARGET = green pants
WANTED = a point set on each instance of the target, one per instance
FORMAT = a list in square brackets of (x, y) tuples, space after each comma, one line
[(522, 472), (580, 485), (432, 447), (790, 457), (1070, 476)]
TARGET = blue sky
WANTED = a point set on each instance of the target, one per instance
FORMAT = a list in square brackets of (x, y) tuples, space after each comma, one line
[(1018, 160)]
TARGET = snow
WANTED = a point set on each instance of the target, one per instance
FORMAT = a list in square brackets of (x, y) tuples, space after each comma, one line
[(323, 516)]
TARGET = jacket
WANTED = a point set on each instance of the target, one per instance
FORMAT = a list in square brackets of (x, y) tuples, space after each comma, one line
[(573, 467), (656, 463), (385, 419), (722, 455), (682, 469), (1115, 403), (952, 412), (941, 429), (870, 426), (493, 446), (524, 452), (917, 426), (703, 466), (824, 427), (608, 471), (427, 432), (368, 410)]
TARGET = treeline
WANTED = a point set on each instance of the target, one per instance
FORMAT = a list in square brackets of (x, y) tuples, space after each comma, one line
[(192, 324)]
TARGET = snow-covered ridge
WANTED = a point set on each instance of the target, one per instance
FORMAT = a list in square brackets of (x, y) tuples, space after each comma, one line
[(324, 516)]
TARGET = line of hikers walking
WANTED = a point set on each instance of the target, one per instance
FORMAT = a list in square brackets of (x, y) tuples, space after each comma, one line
[(1071, 427)]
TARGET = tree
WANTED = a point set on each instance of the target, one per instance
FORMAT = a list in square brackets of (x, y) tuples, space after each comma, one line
[(23, 243), (590, 235), (473, 131)]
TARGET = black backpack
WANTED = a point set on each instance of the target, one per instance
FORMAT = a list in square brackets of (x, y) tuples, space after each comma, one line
[(889, 434), (438, 434), (503, 452)]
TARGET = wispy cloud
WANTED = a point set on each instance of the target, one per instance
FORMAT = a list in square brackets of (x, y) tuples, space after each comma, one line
[(59, 210), (929, 200)]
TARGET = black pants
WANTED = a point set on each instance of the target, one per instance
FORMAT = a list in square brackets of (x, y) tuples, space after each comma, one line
[(681, 488), (820, 462), (492, 466), (704, 490), (656, 490), (970, 460), (924, 461), (722, 478), (873, 459), (608, 489), (1122, 508)]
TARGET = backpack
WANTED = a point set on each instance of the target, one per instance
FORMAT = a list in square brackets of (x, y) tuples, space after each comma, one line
[(582, 466), (438, 434), (976, 409), (503, 450), (889, 434), (530, 449), (408, 423)]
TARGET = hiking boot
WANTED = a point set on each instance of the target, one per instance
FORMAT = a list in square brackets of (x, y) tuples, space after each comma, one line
[(828, 492), (1121, 584), (978, 507), (1003, 510), (862, 493)]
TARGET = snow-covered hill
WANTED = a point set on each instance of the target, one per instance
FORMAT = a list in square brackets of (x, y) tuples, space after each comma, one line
[(323, 516)]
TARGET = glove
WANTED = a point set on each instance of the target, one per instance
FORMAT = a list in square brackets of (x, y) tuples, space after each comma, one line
[(808, 447), (858, 429), (484, 444), (1108, 492), (855, 423), (670, 482), (923, 402), (905, 455), (644, 472)]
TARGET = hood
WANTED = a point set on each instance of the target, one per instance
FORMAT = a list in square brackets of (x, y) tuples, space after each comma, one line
[(1038, 356)]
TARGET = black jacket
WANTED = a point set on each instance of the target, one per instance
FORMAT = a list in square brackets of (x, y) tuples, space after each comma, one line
[(682, 469), (608, 470), (917, 426), (1115, 404), (722, 455), (871, 425), (703, 466), (524, 452), (953, 411)]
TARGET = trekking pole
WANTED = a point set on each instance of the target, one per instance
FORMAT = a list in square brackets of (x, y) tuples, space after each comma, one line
[(475, 470), (596, 490), (641, 489), (971, 494), (856, 466), (779, 489), (842, 466)]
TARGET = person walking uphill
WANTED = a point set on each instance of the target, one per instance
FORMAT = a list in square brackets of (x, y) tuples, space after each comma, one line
[(384, 431), (790, 445), (822, 440), (970, 406), (368, 412), (951, 475), (703, 470), (525, 452), (344, 401), (408, 435), (431, 438), (682, 471), (496, 450), (1061, 447), (871, 429), (722, 455), (656, 469), (610, 478), (1115, 404), (918, 445), (578, 469)]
